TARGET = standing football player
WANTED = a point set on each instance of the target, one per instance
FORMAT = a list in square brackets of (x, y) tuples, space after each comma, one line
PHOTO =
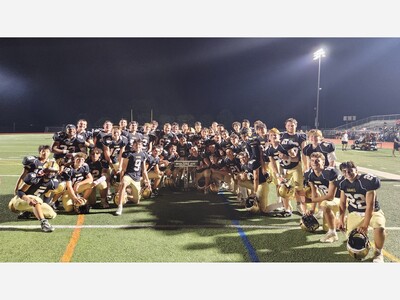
[(133, 170), (293, 142)]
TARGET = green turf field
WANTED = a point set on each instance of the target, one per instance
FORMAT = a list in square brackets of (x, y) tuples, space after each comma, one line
[(177, 226)]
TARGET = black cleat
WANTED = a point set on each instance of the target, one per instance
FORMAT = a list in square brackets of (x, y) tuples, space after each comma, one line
[(26, 215)]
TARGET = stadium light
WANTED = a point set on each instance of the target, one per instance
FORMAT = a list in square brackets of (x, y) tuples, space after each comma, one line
[(318, 55)]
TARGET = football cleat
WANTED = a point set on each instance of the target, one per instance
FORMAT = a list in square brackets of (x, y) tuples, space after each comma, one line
[(358, 244), (46, 227)]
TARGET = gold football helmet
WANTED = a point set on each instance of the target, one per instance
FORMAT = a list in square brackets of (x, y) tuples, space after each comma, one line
[(285, 191), (51, 169), (214, 187), (146, 192), (358, 244), (251, 204)]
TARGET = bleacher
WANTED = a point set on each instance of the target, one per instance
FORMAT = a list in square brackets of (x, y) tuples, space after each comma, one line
[(384, 125)]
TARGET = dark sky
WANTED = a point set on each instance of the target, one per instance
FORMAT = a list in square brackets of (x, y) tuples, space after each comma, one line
[(54, 81)]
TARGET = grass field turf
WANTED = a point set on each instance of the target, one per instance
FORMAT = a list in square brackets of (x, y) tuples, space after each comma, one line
[(178, 227)]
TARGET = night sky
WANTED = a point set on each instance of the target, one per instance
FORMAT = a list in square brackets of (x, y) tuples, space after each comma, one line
[(55, 81)]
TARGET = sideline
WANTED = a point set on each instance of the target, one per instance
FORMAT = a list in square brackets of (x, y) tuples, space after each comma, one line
[(381, 174)]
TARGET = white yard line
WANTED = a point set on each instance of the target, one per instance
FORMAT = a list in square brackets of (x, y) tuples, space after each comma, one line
[(167, 226)]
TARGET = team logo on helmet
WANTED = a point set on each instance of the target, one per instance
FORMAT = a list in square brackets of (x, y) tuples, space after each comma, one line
[(358, 244)]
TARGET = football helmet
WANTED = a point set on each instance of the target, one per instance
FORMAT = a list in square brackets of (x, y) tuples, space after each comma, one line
[(214, 187), (116, 198), (251, 204), (201, 183), (11, 206), (83, 207), (169, 182), (145, 192), (115, 178), (309, 223), (51, 169), (358, 244), (285, 190)]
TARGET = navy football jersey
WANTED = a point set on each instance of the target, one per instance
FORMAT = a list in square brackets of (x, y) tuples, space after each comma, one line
[(322, 182), (32, 164), (96, 167), (75, 175), (284, 163), (135, 161), (325, 148), (288, 141), (115, 147), (39, 185), (233, 165), (73, 145), (355, 191)]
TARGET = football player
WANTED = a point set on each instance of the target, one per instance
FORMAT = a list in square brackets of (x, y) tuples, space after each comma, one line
[(359, 191), (132, 172), (197, 128), (102, 134), (114, 147), (65, 145), (123, 125), (34, 186), (83, 134), (149, 138), (236, 127), (256, 160), (219, 171), (234, 166), (318, 145), (322, 178), (33, 164), (284, 165), (99, 169), (201, 170), (247, 179), (134, 134), (293, 142), (153, 169), (78, 180)]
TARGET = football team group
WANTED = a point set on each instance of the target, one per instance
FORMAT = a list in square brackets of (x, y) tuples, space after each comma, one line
[(128, 162)]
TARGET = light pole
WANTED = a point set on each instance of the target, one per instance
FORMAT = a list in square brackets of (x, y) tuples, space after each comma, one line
[(318, 55)]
